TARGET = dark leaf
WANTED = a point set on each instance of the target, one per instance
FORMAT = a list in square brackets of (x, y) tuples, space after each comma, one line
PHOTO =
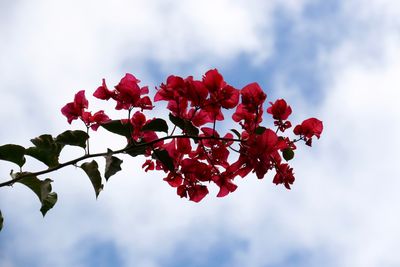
[(157, 125), (113, 165), (117, 127), (92, 170), (42, 189), (260, 130), (177, 121), (13, 153), (288, 154), (236, 132), (190, 129), (186, 125), (73, 138), (48, 203), (136, 149), (163, 156), (1, 221), (45, 150)]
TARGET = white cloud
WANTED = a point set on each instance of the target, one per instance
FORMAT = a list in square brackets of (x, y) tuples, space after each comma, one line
[(342, 204)]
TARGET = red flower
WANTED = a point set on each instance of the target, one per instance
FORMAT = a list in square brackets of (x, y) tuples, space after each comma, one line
[(225, 184), (229, 97), (221, 94), (197, 192), (213, 80), (148, 165), (73, 110), (183, 145), (95, 120), (252, 96), (250, 110), (195, 91), (127, 93), (258, 154), (102, 92), (309, 128), (174, 179), (284, 175), (280, 110), (175, 87), (195, 170)]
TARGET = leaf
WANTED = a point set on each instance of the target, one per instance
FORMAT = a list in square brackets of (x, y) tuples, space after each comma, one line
[(1, 221), (117, 127), (45, 150), (236, 132), (73, 138), (42, 188), (157, 125), (185, 125), (13, 153), (177, 121), (136, 150), (288, 154), (260, 130), (48, 203), (92, 170), (113, 165), (163, 156)]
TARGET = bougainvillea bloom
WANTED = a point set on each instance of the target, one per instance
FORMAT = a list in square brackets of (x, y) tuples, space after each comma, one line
[(199, 156), (284, 175), (73, 110), (94, 121), (309, 128), (127, 94), (102, 92), (250, 110), (77, 109), (280, 110)]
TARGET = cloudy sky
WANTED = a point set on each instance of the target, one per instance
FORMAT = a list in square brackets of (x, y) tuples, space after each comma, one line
[(335, 60)]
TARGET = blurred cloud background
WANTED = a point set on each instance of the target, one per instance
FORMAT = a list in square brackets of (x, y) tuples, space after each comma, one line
[(336, 60)]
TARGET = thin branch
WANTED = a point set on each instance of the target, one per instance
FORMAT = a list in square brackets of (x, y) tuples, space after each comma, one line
[(123, 150)]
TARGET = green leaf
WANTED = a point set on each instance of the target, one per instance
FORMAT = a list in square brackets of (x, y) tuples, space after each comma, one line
[(13, 153), (177, 121), (113, 165), (260, 130), (136, 149), (1, 221), (48, 203), (42, 188), (163, 156), (288, 154), (117, 127), (92, 170), (157, 125), (73, 138), (236, 132), (185, 125), (45, 150)]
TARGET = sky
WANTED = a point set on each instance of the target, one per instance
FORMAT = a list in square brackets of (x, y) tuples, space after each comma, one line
[(335, 60)]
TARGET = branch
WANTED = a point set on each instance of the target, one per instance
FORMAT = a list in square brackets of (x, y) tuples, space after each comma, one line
[(123, 150)]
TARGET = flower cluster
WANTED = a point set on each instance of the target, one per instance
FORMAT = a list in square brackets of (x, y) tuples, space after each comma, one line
[(77, 109), (200, 155)]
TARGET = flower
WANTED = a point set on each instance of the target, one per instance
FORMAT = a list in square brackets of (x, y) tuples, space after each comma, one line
[(127, 93), (309, 128), (250, 110), (284, 175), (95, 120), (280, 110), (73, 110)]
